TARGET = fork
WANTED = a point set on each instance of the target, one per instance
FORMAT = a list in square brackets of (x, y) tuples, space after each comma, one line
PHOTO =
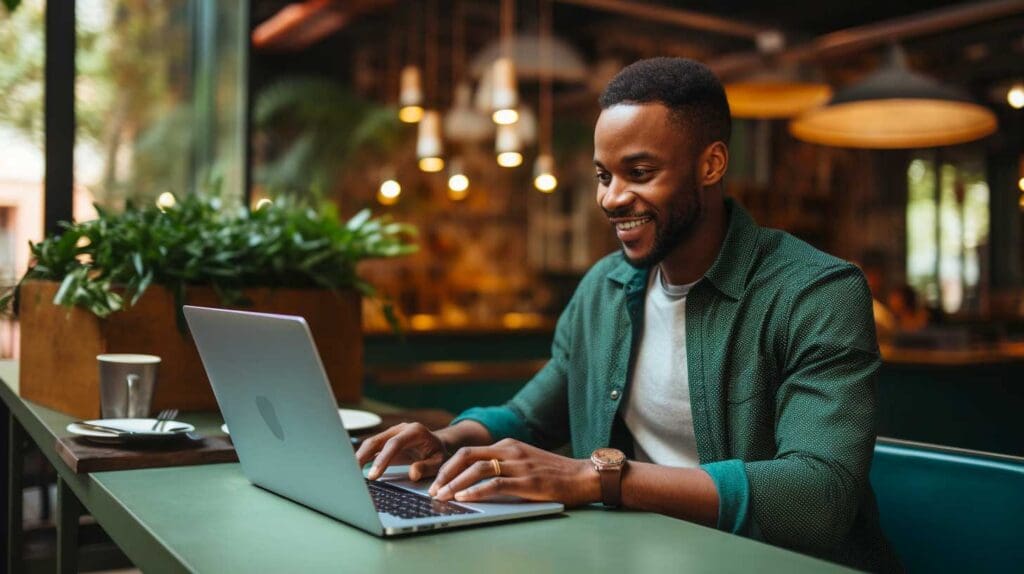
[(164, 416)]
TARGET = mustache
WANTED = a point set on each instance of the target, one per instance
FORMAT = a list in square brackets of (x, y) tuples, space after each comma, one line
[(627, 213)]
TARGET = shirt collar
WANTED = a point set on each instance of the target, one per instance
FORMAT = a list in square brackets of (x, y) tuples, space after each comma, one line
[(729, 271)]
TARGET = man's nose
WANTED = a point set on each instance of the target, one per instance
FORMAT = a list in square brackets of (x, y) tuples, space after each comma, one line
[(616, 196)]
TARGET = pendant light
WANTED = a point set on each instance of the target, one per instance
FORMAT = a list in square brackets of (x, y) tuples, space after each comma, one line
[(776, 94), (505, 95), (508, 146), (458, 181), (389, 191), (895, 108), (429, 146), (463, 124), (410, 97), (544, 167), (410, 92)]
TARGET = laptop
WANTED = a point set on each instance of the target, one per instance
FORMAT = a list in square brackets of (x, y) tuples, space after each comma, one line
[(275, 397)]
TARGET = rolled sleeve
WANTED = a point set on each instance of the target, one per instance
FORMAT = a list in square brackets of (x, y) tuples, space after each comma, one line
[(730, 478), (501, 422)]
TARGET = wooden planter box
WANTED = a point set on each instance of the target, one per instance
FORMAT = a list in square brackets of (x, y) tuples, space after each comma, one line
[(59, 344)]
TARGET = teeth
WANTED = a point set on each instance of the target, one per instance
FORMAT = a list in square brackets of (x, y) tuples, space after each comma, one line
[(631, 224)]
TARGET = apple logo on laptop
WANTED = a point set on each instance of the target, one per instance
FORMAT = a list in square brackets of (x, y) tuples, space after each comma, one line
[(270, 416)]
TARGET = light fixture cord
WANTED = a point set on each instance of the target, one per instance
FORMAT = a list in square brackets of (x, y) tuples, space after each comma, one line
[(458, 42), (431, 53), (508, 26), (545, 76)]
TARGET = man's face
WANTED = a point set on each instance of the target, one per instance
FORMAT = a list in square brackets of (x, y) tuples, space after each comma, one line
[(646, 179)]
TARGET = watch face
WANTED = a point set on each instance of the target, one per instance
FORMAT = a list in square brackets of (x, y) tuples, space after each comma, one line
[(608, 457)]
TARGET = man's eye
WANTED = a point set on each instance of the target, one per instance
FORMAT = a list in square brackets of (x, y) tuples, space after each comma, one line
[(639, 173), (603, 177)]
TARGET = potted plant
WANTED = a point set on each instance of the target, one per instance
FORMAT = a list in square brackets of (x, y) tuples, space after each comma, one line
[(117, 284)]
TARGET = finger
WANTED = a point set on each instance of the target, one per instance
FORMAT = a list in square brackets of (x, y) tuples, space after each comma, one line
[(391, 448), (479, 470), (501, 486), (462, 459), (426, 467), (455, 465), (371, 446)]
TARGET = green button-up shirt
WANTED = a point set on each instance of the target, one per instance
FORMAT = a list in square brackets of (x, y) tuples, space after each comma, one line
[(781, 357)]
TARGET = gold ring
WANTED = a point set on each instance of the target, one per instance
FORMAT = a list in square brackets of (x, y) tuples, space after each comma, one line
[(496, 466)]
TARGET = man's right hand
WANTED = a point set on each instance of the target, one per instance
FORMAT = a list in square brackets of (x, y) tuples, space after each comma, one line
[(405, 443)]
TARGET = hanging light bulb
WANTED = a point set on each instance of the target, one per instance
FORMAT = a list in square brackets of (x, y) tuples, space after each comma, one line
[(504, 97), (410, 98), (458, 181), (389, 192), (544, 173), (1015, 96), (507, 146), (429, 148)]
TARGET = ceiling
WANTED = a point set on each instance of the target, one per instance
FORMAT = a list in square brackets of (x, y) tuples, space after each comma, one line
[(977, 56)]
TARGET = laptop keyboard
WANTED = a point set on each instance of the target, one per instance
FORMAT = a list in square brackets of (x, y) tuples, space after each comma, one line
[(405, 504)]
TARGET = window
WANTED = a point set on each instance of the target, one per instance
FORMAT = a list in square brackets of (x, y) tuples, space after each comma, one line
[(944, 253)]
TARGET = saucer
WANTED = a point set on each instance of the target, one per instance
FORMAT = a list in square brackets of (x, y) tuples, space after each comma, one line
[(141, 429), (353, 420)]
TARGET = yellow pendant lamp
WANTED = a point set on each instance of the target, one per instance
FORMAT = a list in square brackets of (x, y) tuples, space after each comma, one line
[(895, 108), (775, 94)]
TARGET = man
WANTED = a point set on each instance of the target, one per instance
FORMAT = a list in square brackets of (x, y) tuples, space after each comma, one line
[(733, 365)]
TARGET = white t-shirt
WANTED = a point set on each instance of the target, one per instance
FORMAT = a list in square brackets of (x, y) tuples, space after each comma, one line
[(657, 409)]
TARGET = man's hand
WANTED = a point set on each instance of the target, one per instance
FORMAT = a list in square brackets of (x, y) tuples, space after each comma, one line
[(526, 472), (405, 443)]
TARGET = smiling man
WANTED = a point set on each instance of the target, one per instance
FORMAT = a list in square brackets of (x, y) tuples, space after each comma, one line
[(712, 370)]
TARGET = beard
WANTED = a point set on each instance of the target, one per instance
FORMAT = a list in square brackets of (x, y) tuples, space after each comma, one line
[(670, 229)]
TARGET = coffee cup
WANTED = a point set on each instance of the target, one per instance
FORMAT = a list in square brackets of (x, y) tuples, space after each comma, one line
[(127, 382)]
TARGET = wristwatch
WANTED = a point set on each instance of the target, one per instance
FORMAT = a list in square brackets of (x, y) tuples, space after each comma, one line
[(609, 463)]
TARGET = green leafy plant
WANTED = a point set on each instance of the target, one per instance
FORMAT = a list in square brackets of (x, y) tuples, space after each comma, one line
[(105, 262)]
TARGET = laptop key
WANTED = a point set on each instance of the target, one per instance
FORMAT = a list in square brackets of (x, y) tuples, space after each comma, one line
[(402, 503)]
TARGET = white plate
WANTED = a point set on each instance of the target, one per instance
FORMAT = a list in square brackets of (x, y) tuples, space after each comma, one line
[(352, 419), (142, 429)]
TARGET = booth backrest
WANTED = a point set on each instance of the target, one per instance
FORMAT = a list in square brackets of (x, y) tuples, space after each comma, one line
[(950, 510)]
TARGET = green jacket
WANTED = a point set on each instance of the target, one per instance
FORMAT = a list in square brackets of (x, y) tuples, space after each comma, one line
[(782, 360)]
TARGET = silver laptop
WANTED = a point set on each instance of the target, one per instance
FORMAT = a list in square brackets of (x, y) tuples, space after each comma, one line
[(275, 397)]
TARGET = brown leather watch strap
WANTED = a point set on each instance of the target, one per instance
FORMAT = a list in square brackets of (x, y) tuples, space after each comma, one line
[(611, 486)]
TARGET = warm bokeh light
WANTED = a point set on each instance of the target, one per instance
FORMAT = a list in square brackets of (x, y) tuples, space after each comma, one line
[(389, 192), (1015, 96), (410, 114), (263, 203), (422, 322), (505, 117), (458, 183), (431, 164), (510, 159), (1020, 184), (545, 182), (166, 201)]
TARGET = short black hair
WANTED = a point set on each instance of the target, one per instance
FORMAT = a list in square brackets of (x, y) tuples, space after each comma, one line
[(687, 87)]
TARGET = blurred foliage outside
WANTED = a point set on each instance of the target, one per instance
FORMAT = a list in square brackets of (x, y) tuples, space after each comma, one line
[(135, 129), (964, 230)]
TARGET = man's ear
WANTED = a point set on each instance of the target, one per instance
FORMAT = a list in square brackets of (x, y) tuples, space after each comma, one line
[(714, 162)]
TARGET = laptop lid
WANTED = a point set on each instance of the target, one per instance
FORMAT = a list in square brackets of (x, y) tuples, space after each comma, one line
[(275, 397)]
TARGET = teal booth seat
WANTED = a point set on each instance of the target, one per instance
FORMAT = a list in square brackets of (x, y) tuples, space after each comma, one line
[(950, 510)]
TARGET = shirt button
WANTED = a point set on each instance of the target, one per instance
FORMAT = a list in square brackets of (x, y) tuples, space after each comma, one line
[(615, 394)]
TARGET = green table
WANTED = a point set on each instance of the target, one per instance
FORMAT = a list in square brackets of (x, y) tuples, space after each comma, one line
[(209, 518)]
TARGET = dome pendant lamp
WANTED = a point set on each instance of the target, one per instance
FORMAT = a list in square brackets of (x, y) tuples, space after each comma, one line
[(895, 108)]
